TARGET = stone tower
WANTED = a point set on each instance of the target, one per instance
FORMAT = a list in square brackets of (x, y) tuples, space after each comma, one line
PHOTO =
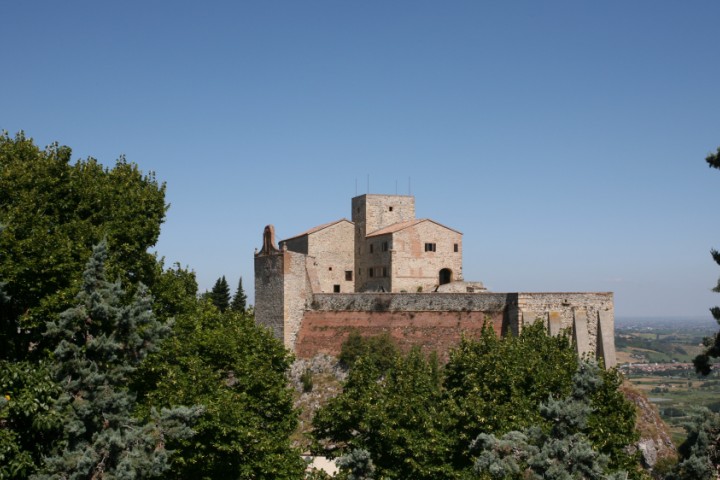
[(371, 213)]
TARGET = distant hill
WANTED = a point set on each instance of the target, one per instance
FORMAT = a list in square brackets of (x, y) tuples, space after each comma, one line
[(690, 321)]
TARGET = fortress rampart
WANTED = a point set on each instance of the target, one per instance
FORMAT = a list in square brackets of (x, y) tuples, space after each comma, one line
[(390, 272), (437, 321)]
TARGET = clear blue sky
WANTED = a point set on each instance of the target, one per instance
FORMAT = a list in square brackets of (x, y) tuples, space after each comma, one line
[(566, 140)]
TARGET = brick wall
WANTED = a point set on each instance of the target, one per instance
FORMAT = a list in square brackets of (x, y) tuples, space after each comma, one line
[(436, 321), (325, 331)]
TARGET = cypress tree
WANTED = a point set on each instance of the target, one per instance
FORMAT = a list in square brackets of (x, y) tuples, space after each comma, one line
[(99, 343), (220, 294), (239, 301)]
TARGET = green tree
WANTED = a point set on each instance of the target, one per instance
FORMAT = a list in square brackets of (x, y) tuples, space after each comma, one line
[(239, 300), (380, 349), (563, 452), (700, 452), (356, 465), (220, 294), (396, 416), (54, 212), (703, 362), (418, 421), (236, 370), (99, 344), (495, 385), (28, 422)]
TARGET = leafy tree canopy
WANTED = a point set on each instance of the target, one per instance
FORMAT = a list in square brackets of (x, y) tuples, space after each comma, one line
[(236, 369), (419, 421), (563, 452), (379, 349), (54, 211)]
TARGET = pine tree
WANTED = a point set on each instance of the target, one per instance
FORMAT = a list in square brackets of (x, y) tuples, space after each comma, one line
[(358, 465), (98, 344), (220, 294), (239, 301), (703, 361)]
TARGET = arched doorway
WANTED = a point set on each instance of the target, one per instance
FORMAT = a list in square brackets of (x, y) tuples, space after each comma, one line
[(445, 276)]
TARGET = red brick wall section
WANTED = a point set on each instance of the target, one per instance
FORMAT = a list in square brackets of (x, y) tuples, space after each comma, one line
[(325, 331)]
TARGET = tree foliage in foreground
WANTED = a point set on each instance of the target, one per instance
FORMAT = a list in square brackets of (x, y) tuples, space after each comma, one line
[(563, 452), (418, 421), (53, 212), (700, 452), (703, 362), (29, 424), (397, 416), (236, 370), (99, 344)]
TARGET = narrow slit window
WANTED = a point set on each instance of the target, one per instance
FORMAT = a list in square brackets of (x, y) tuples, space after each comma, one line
[(456, 248)]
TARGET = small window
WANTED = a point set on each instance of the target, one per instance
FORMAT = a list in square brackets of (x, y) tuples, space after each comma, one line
[(330, 268), (370, 272), (429, 247), (384, 271), (371, 248), (359, 271), (385, 246), (336, 288), (391, 209), (348, 275), (456, 248)]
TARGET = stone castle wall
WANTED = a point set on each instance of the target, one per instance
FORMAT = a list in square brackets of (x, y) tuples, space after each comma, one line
[(270, 292), (415, 268), (437, 321), (330, 252), (371, 213)]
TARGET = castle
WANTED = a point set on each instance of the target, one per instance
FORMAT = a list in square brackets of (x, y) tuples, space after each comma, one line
[(387, 271)]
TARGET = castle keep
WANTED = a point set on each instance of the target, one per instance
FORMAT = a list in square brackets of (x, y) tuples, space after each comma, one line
[(387, 271)]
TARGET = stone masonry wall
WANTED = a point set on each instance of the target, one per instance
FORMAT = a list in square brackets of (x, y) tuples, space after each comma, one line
[(371, 213), (331, 250), (415, 268), (298, 292), (270, 293)]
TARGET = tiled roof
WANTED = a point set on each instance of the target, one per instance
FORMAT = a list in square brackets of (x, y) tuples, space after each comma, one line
[(317, 229), (396, 227)]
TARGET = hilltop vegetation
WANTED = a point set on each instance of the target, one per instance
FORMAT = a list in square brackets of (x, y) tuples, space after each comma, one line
[(112, 365)]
